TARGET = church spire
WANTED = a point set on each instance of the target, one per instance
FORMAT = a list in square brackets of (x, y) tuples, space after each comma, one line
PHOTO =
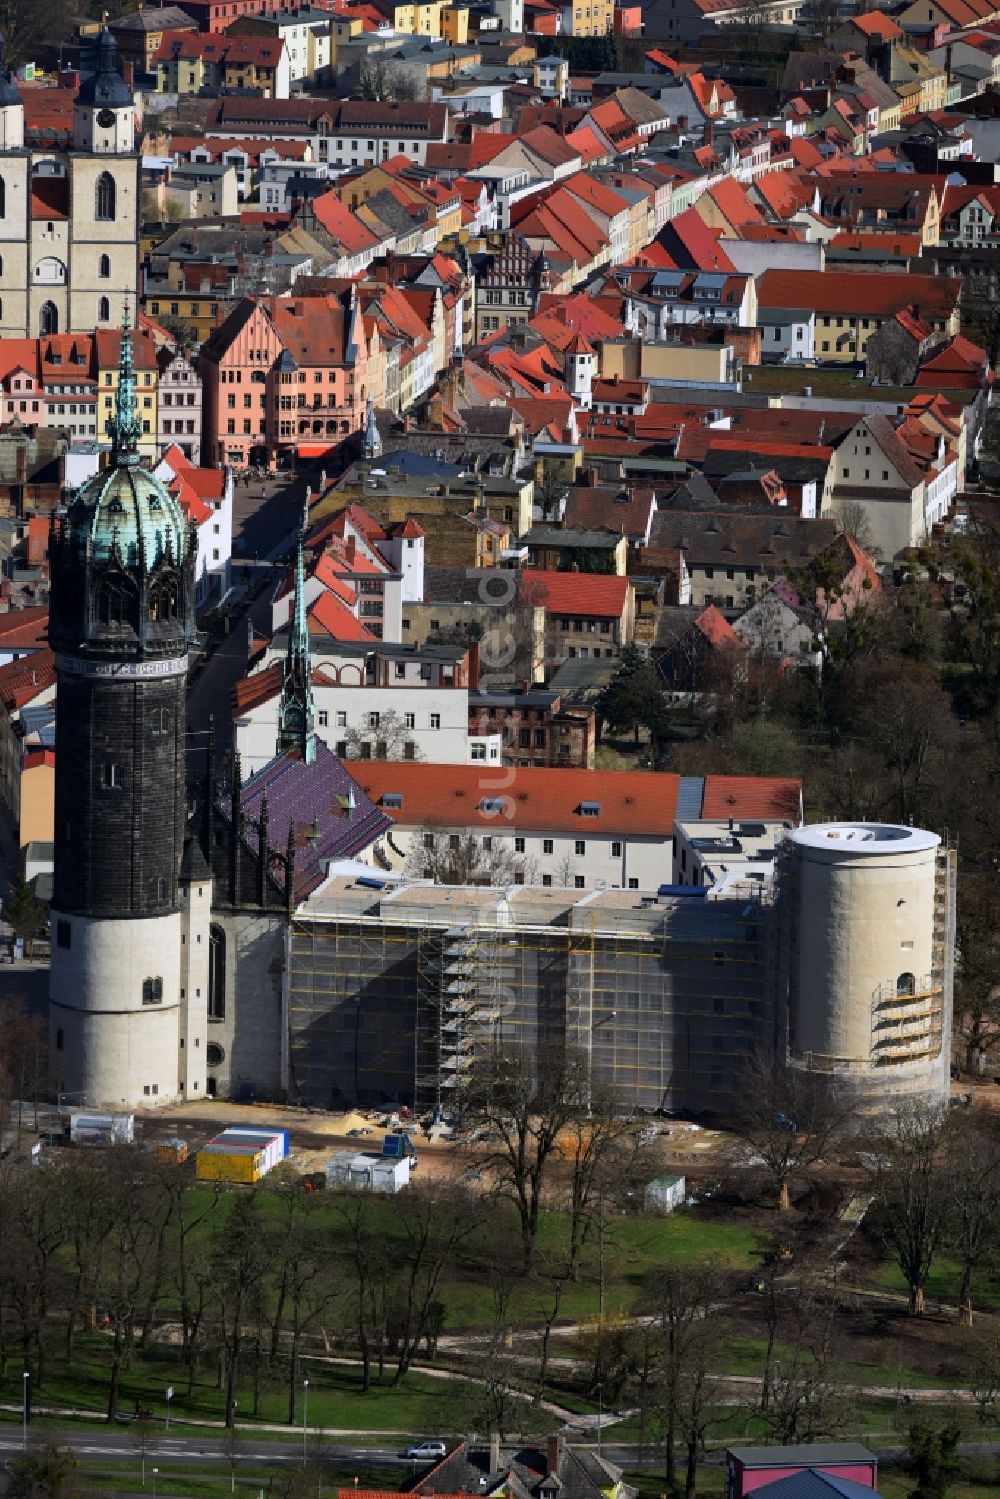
[(296, 716), (123, 427)]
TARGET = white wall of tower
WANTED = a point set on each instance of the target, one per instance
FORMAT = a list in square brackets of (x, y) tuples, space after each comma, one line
[(106, 1044)]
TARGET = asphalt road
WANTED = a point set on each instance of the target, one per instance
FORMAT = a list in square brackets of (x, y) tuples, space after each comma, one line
[(118, 1445), (207, 1451)]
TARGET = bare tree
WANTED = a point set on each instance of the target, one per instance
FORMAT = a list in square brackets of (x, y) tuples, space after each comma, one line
[(913, 1194), (240, 1260), (388, 739), (788, 1120), (974, 1173), (525, 1109), (435, 1220), (680, 1306), (381, 79), (465, 859)]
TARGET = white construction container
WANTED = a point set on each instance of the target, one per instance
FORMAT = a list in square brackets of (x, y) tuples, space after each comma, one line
[(367, 1173), (101, 1129)]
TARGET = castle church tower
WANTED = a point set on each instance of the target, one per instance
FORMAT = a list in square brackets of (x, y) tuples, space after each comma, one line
[(121, 624)]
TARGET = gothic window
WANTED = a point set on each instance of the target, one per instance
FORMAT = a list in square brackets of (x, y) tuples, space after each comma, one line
[(158, 891), (48, 320), (152, 991), (163, 602), (160, 720), (105, 196), (104, 267), (103, 309), (216, 973), (110, 604), (112, 776)]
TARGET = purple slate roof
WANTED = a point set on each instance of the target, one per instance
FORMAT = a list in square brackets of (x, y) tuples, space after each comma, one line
[(316, 799)]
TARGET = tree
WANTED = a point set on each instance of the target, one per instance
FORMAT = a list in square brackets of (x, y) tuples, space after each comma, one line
[(977, 968), (457, 859), (525, 1104), (241, 1258), (634, 698), (24, 913), (382, 80), (47, 1472), (388, 739), (932, 1458), (679, 1309), (913, 1197), (853, 518), (974, 1172), (787, 1120), (434, 1221), (28, 25), (550, 495)]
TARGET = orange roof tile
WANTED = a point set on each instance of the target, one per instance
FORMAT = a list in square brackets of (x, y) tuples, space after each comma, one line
[(596, 594), (637, 802), (770, 798)]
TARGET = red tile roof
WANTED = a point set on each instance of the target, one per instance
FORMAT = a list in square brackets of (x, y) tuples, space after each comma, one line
[(24, 629), (770, 798), (717, 630), (596, 594), (252, 692), (642, 803), (845, 292), (23, 680)]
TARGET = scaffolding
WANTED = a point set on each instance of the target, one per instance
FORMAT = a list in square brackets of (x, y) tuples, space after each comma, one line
[(459, 1008)]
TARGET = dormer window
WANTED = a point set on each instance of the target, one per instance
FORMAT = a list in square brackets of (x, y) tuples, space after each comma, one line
[(590, 809)]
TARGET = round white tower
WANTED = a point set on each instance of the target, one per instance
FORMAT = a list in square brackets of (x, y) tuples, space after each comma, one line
[(868, 923), (121, 624)]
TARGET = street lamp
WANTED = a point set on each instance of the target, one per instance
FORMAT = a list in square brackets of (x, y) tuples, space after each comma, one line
[(25, 1382), (155, 1471), (600, 1416), (305, 1418), (170, 1396)]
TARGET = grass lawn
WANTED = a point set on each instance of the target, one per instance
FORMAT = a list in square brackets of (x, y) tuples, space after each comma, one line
[(423, 1404), (944, 1282), (634, 1246)]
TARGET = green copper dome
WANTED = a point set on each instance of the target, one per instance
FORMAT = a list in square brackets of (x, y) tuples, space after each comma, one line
[(126, 510), (125, 513)]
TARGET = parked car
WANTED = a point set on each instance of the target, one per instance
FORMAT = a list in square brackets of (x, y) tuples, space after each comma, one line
[(427, 1451)]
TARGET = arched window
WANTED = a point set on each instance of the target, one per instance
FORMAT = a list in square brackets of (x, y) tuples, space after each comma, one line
[(103, 309), (104, 207), (104, 267), (906, 984), (48, 319), (216, 973), (111, 604), (3, 198)]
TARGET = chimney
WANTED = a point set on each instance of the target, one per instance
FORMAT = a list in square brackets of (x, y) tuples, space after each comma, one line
[(494, 1452), (351, 549), (474, 682), (553, 1452), (707, 133)]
